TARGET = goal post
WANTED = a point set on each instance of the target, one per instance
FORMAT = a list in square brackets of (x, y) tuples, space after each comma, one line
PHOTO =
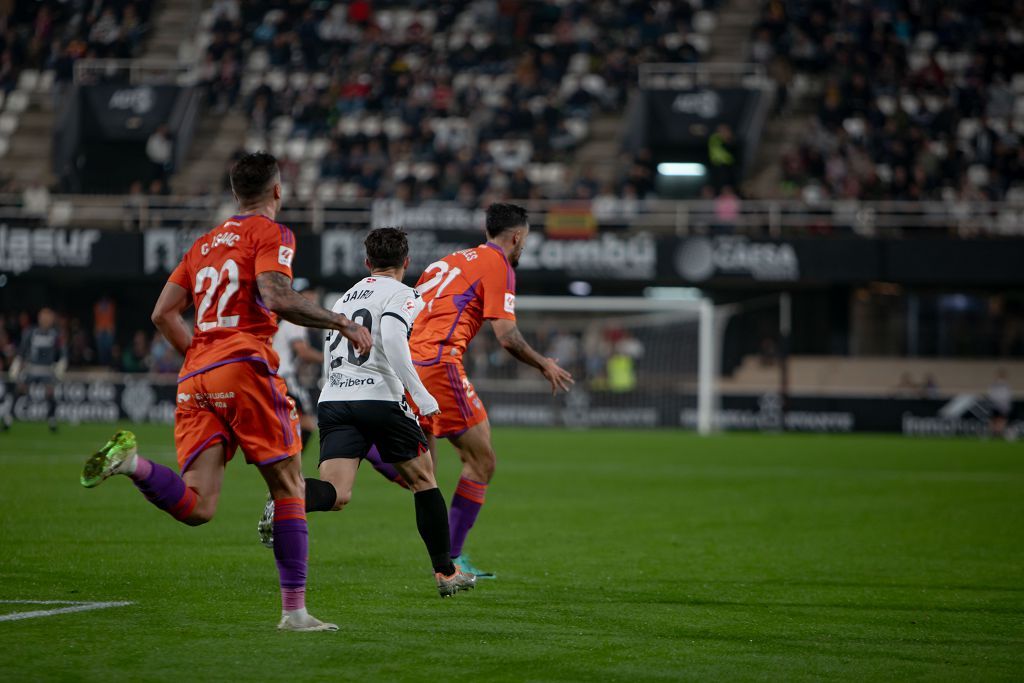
[(638, 362)]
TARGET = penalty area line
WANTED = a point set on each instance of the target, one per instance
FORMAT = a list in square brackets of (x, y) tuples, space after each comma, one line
[(71, 606)]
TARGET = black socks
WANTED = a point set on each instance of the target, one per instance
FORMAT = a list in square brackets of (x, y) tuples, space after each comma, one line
[(320, 495), (432, 522)]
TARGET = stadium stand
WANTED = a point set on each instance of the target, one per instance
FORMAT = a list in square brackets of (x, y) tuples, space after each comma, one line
[(911, 101), (40, 42), (388, 99)]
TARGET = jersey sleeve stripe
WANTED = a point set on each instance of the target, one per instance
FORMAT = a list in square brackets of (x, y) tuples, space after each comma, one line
[(396, 316)]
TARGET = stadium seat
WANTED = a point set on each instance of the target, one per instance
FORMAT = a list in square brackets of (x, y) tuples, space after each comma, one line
[(577, 128), (254, 143), (394, 128), (258, 61), (8, 123), (977, 175), (295, 149), (28, 80), (277, 80), (348, 191), (370, 126), (327, 190), (317, 149), (61, 212), (704, 22), (700, 43), (17, 101), (4, 146), (348, 126)]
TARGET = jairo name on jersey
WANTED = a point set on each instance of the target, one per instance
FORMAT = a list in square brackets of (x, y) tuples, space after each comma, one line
[(356, 295), (341, 382)]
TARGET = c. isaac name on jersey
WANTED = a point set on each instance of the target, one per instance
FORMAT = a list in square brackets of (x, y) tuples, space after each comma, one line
[(228, 239)]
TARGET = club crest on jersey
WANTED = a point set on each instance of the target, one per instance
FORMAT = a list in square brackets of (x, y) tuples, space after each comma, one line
[(285, 256), (510, 303)]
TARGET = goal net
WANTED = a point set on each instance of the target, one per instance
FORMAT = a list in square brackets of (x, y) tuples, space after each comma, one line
[(637, 363)]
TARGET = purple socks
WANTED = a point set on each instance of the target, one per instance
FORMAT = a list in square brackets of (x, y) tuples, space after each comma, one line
[(388, 471), (164, 489), (291, 550), (466, 504)]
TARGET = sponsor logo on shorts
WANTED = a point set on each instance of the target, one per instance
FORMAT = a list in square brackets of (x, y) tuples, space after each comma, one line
[(217, 399), (342, 382), (285, 255)]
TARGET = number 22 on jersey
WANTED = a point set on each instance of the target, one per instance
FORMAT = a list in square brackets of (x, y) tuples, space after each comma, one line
[(210, 281)]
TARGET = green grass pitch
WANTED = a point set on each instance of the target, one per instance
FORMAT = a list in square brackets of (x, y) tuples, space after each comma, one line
[(624, 556)]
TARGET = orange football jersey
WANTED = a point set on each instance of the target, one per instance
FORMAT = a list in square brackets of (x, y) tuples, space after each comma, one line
[(459, 292), (220, 270)]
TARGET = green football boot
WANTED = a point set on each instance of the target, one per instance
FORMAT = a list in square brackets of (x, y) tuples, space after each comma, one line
[(114, 458), (465, 565)]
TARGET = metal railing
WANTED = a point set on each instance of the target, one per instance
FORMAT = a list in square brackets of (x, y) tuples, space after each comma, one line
[(133, 71), (675, 76), (759, 218)]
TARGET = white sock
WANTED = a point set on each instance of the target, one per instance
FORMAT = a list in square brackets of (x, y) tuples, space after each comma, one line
[(300, 613), (130, 465)]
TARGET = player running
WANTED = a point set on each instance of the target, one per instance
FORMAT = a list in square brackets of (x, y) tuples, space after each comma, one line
[(460, 292), (291, 344), (363, 403), (41, 360), (238, 276)]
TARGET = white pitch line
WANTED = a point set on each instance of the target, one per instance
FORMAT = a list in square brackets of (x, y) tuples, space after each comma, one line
[(74, 606)]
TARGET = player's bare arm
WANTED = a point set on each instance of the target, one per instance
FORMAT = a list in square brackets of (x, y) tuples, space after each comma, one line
[(173, 301), (511, 339), (278, 295)]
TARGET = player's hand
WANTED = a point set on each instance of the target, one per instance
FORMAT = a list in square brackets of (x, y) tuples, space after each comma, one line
[(359, 336), (428, 406), (560, 378)]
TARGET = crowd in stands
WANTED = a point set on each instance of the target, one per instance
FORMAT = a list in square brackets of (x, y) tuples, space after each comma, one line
[(94, 342), (912, 100), (451, 100), (52, 34)]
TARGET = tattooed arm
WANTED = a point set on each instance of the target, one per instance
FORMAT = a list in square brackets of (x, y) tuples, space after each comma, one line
[(278, 295), (511, 339)]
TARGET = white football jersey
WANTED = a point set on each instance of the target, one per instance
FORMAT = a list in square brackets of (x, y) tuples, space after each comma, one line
[(350, 377), (287, 334)]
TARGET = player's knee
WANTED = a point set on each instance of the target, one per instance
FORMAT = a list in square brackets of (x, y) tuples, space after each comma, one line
[(200, 516), (343, 499), (421, 480), (486, 465)]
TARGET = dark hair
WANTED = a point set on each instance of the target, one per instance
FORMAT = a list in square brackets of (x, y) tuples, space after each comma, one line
[(386, 247), (502, 217), (252, 175)]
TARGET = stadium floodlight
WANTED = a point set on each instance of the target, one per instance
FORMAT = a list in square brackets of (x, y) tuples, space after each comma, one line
[(638, 362), (685, 169)]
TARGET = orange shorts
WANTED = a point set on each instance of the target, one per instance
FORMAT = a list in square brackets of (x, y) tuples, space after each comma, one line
[(239, 404), (461, 408)]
